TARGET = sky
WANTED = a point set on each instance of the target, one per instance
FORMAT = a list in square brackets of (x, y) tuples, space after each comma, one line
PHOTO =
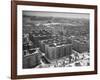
[(56, 14)]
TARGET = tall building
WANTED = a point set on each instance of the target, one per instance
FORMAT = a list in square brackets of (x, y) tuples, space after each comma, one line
[(56, 50), (80, 46)]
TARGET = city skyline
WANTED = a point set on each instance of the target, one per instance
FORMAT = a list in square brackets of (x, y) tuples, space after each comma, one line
[(56, 14)]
